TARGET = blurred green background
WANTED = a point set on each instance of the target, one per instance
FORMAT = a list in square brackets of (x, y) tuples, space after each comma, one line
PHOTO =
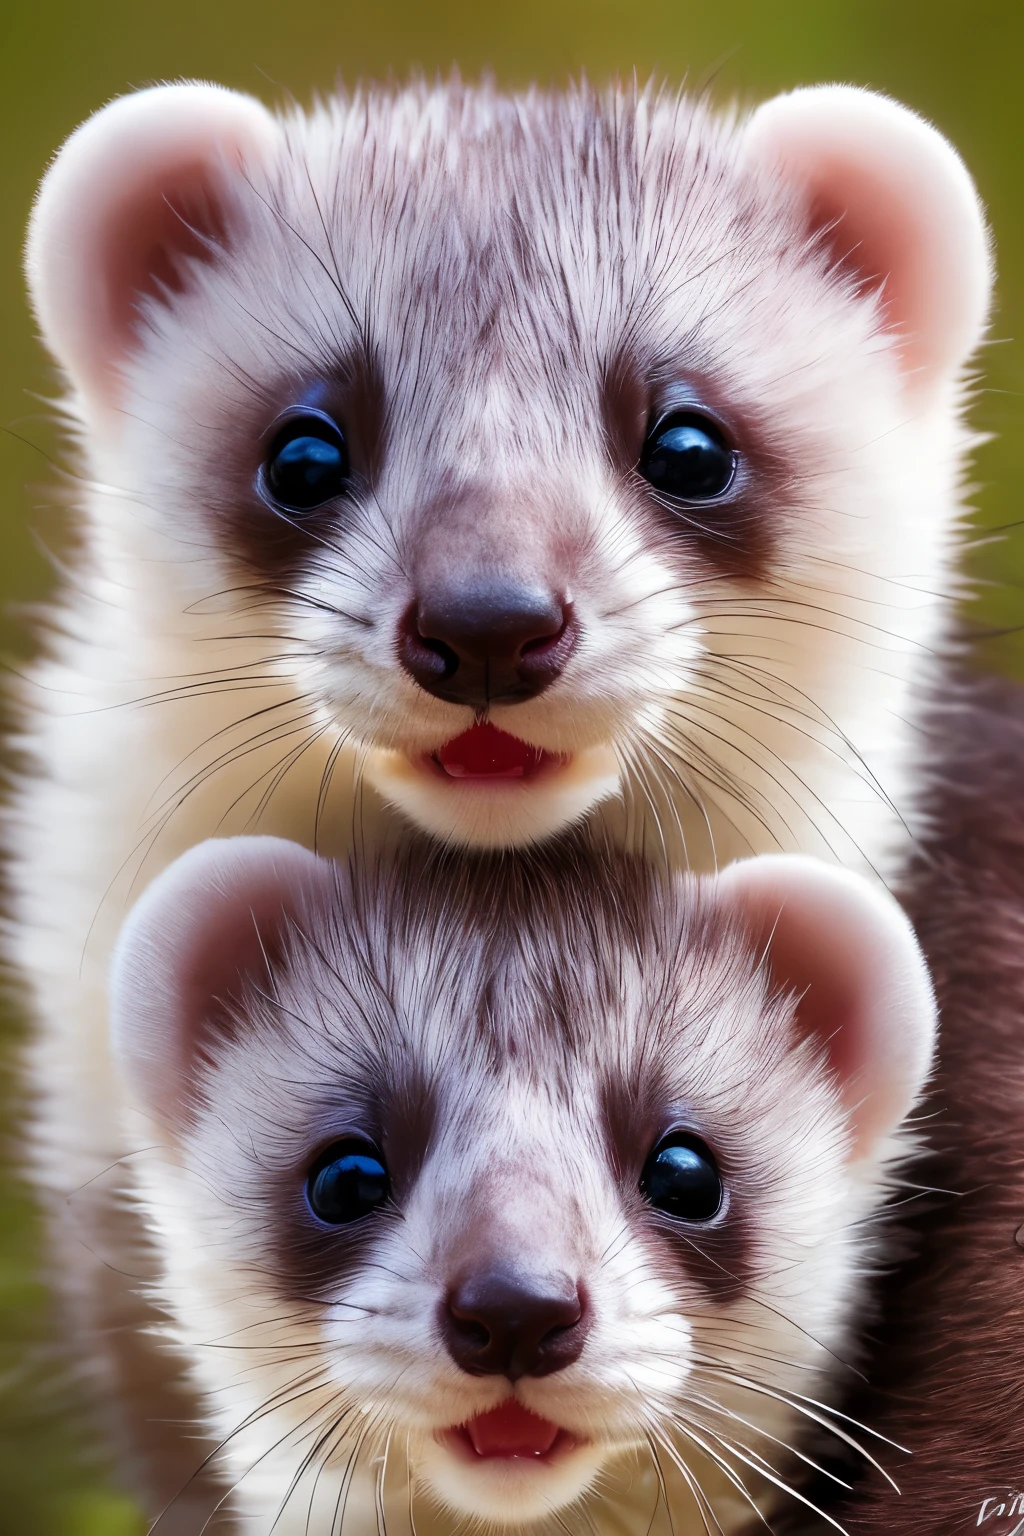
[(961, 65)]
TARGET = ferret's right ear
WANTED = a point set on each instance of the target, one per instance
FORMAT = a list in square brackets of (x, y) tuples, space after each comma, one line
[(138, 190), (847, 953), (204, 926), (892, 202)]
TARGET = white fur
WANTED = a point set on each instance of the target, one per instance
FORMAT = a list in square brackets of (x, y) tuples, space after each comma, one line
[(181, 697), (386, 982)]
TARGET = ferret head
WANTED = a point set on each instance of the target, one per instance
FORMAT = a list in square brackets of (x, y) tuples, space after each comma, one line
[(515, 1170), (541, 443)]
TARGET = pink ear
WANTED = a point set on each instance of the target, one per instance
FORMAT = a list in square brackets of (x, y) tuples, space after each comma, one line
[(849, 954), (136, 190), (896, 205), (203, 926)]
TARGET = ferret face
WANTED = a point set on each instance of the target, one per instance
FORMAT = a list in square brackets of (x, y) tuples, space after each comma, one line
[(518, 422), (502, 1260), (513, 1181), (453, 476)]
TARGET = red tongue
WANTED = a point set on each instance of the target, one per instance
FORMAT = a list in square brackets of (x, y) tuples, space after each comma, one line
[(484, 752), (511, 1430)]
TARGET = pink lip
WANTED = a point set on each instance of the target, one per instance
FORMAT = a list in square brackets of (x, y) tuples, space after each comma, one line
[(485, 755), (509, 1432)]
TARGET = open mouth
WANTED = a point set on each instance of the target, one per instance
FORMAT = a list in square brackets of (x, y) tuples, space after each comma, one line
[(509, 1432), (486, 755)]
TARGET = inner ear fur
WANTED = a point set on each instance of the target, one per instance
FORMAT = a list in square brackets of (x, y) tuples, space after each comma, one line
[(208, 924), (136, 192), (895, 205), (846, 951)]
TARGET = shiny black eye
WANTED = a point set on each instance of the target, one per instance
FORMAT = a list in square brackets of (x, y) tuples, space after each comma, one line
[(680, 1178), (687, 457), (347, 1182), (307, 465)]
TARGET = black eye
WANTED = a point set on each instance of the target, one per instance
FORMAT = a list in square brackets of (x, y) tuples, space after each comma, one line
[(347, 1182), (307, 465), (687, 457), (680, 1178)]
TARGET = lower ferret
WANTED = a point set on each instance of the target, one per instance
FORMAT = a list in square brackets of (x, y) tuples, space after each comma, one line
[(534, 1194)]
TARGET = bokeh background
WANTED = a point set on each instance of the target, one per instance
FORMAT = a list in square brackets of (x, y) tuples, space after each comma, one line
[(962, 65)]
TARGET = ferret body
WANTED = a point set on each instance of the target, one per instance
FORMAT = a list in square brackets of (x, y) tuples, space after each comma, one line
[(945, 1378), (636, 436), (538, 1195)]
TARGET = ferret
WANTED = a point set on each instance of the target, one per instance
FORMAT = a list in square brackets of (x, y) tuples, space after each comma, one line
[(944, 1379), (481, 464), (530, 1195)]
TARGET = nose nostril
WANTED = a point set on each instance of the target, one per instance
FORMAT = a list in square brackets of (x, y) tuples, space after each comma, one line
[(429, 661), (561, 1330), (545, 645), (444, 654), (470, 1329)]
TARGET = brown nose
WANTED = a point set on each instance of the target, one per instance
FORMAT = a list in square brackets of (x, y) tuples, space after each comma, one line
[(503, 1323), (494, 642)]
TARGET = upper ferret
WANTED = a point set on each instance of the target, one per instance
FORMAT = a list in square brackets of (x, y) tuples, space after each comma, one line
[(505, 1190), (526, 451)]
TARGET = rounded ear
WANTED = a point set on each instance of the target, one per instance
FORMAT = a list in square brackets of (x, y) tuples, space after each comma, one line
[(896, 206), (210, 921), (846, 950), (137, 190)]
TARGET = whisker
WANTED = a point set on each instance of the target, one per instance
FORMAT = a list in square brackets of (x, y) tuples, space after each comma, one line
[(759, 1465)]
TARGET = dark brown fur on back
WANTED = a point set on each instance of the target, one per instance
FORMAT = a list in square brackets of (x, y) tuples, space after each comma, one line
[(947, 1373)]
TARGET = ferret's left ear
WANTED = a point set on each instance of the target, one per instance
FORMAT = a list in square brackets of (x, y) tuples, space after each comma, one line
[(208, 924), (896, 206), (145, 187), (846, 950)]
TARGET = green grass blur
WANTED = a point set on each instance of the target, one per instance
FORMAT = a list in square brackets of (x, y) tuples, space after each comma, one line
[(960, 65)]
